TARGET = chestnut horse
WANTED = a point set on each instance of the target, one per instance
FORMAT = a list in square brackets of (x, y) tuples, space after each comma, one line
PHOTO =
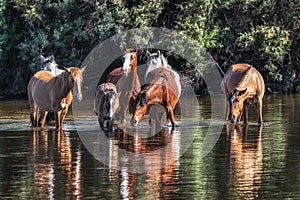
[(49, 93), (106, 103), (126, 79), (163, 90), (243, 86)]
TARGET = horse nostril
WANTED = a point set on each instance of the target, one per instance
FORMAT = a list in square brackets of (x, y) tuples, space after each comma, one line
[(232, 118)]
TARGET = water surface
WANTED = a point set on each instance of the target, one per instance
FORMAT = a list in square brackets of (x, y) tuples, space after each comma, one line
[(247, 162)]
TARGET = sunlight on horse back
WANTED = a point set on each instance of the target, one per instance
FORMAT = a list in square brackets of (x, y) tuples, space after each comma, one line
[(163, 90), (49, 93), (106, 103), (243, 86), (158, 60), (126, 80), (49, 64)]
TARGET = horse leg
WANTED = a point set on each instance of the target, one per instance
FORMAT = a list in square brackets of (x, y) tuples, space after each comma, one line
[(246, 111), (42, 118), (63, 114), (33, 114), (57, 116), (259, 110), (171, 115)]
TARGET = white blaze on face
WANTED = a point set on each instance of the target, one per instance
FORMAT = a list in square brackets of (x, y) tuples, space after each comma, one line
[(78, 92), (126, 65)]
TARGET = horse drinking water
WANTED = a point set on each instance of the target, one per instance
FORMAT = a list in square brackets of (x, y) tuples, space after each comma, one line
[(243, 86), (106, 103), (49, 93), (163, 91), (126, 79)]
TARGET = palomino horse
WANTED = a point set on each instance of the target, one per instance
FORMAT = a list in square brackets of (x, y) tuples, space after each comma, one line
[(49, 93), (126, 79), (243, 86), (106, 103), (163, 90), (50, 65)]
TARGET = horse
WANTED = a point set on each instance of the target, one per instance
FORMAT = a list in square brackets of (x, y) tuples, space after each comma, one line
[(49, 93), (157, 60), (243, 86), (49, 64), (106, 103), (163, 90), (126, 79)]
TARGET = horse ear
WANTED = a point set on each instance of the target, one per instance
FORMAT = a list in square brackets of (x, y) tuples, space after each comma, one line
[(42, 59), (82, 69), (158, 53), (148, 54), (67, 69), (52, 58)]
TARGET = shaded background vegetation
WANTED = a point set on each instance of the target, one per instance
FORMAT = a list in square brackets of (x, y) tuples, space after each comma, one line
[(264, 33)]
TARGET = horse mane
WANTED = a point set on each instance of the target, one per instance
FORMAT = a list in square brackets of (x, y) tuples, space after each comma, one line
[(165, 61), (141, 98), (246, 74)]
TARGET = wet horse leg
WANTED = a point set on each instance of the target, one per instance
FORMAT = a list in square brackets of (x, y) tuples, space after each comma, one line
[(42, 118), (171, 115), (34, 115), (245, 112), (259, 110), (63, 114), (57, 116)]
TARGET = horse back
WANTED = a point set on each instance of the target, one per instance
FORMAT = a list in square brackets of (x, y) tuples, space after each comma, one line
[(168, 74), (114, 76), (241, 76)]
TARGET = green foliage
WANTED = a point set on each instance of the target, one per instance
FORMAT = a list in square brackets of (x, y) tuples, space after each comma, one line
[(262, 33)]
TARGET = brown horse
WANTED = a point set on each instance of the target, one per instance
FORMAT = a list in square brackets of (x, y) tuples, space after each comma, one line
[(106, 103), (243, 86), (163, 90), (126, 79), (49, 93)]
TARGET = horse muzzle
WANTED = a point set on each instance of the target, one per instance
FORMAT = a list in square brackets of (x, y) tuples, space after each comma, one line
[(232, 118), (134, 122), (78, 97)]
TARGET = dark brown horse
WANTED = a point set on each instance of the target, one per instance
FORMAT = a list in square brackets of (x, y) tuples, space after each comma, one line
[(126, 79), (243, 86), (163, 90), (106, 103), (49, 93)]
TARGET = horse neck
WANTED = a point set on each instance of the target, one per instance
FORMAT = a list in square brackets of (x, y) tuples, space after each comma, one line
[(245, 78), (65, 84), (153, 88)]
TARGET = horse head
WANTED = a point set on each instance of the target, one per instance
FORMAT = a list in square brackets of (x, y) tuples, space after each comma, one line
[(49, 63), (111, 103), (236, 104), (155, 59), (75, 76), (130, 61), (140, 108)]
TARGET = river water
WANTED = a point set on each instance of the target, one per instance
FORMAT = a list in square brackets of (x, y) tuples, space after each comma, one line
[(245, 162)]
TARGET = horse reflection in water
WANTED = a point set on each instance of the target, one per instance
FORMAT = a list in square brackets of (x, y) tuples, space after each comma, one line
[(153, 156), (246, 164), (44, 158)]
